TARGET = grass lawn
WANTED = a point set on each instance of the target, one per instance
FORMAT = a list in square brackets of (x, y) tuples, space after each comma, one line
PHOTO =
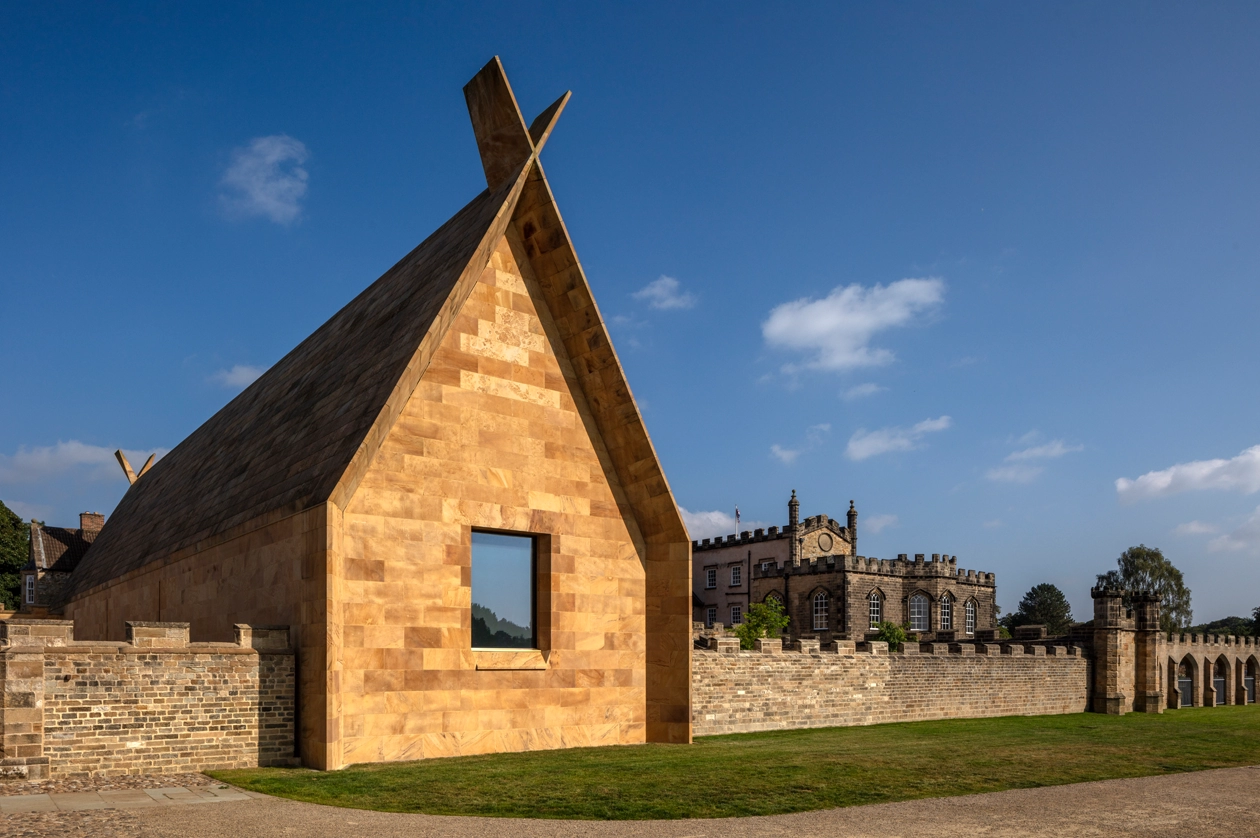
[(786, 771)]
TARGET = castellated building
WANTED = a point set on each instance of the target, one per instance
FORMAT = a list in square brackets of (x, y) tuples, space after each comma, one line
[(829, 591)]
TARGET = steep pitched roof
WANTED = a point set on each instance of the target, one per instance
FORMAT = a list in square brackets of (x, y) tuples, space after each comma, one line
[(58, 548), (305, 432), (285, 442)]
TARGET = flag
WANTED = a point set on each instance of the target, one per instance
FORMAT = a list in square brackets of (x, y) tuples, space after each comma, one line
[(737, 520)]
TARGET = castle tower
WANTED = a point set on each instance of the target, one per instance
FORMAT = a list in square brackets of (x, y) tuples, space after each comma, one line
[(1114, 665), (794, 523), (1148, 691), (852, 529)]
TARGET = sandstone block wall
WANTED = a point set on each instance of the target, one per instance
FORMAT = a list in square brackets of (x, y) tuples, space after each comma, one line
[(737, 692), (155, 704)]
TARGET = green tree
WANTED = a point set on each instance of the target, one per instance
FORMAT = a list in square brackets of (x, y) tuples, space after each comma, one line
[(764, 619), (1233, 626), (1145, 568), (892, 634), (1255, 619), (14, 535), (1043, 605)]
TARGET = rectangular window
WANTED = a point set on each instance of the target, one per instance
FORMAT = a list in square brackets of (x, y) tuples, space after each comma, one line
[(710, 577), (970, 611), (918, 613), (503, 591), (30, 589), (765, 567), (947, 613), (711, 616), (737, 615), (737, 575)]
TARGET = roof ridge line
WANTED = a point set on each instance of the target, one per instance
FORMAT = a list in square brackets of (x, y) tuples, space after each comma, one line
[(348, 483)]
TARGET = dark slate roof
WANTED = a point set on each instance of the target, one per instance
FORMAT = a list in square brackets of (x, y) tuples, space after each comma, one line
[(58, 548), (283, 444)]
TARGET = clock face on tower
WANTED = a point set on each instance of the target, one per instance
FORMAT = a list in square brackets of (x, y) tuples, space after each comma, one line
[(824, 542)]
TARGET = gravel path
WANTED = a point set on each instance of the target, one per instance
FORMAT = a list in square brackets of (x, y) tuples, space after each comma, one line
[(1205, 804)]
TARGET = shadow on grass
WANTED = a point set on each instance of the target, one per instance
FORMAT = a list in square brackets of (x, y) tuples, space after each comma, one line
[(785, 771)]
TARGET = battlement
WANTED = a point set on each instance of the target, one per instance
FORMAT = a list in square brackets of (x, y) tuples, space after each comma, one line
[(771, 534), (940, 565)]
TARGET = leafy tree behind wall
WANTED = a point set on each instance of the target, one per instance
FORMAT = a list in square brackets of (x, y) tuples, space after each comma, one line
[(764, 619), (1043, 605), (1145, 568), (14, 535), (1233, 626)]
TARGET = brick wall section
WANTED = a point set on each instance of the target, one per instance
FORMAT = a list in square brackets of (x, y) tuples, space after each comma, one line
[(736, 692), (156, 704)]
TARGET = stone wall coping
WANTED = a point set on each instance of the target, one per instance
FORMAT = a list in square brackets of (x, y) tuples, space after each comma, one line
[(870, 647), (121, 648)]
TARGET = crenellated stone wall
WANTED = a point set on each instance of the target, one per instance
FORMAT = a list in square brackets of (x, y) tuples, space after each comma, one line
[(154, 704), (861, 683)]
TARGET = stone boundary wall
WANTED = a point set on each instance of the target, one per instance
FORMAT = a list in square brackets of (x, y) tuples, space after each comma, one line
[(862, 684), (154, 704)]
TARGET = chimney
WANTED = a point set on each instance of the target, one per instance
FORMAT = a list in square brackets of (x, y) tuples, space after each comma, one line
[(91, 521)]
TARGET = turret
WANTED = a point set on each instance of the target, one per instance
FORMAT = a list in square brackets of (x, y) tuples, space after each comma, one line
[(853, 528), (794, 521)]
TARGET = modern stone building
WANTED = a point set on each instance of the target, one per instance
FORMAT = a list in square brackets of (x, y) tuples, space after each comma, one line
[(447, 492), (830, 592)]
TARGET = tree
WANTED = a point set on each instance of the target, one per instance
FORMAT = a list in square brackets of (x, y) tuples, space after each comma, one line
[(1232, 626), (14, 535), (1144, 568), (1255, 619), (764, 619), (892, 634), (1043, 605)]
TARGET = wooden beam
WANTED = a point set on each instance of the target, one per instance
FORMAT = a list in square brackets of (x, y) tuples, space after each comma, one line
[(502, 137), (126, 467), (540, 128)]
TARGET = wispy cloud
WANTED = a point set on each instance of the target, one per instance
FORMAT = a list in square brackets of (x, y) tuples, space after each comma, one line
[(266, 178), (714, 523), (861, 391), (787, 456), (93, 462), (1244, 539), (836, 331), (238, 377), (665, 293), (877, 524), (865, 444), (815, 435), (1020, 465), (1195, 528), (1238, 474), (992, 524)]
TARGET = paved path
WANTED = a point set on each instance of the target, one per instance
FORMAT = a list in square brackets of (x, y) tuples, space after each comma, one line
[(1204, 804), (120, 799)]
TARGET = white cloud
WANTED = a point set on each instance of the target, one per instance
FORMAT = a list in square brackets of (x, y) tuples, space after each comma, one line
[(27, 511), (665, 293), (836, 331), (30, 465), (238, 377), (266, 178), (787, 456), (1017, 473), (1051, 450), (877, 523), (864, 444), (1240, 474), (1019, 470), (992, 524), (861, 391), (1195, 528), (1245, 538), (714, 523)]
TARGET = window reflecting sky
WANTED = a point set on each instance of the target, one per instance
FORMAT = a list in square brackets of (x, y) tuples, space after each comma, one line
[(501, 570)]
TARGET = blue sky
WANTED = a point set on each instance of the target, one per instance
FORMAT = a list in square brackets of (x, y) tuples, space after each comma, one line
[(967, 264)]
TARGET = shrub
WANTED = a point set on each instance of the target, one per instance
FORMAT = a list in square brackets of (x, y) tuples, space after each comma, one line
[(764, 619), (892, 634)]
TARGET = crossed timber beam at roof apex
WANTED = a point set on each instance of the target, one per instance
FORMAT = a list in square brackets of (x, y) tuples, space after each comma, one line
[(503, 140)]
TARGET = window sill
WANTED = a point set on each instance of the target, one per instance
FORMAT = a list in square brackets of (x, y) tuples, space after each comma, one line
[(509, 659)]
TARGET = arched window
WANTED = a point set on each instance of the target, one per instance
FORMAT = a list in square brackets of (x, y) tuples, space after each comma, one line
[(918, 613), (1218, 680), (773, 597), (970, 609), (1249, 681), (1185, 683), (947, 612), (875, 606), (820, 611)]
